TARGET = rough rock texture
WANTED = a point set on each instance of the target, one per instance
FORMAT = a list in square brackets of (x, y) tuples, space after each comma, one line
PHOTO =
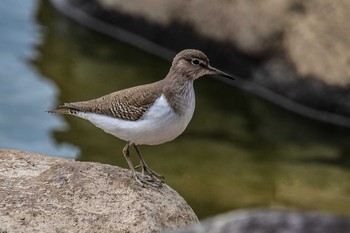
[(44, 194), (298, 49), (271, 221)]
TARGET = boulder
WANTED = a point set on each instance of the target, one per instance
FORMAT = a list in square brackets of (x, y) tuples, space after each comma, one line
[(310, 33), (271, 221), (45, 194)]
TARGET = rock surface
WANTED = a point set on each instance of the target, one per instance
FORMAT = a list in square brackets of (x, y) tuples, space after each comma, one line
[(270, 221), (310, 32), (44, 194), (296, 49)]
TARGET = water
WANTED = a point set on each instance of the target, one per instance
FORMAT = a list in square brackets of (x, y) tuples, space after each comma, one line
[(238, 151), (24, 93)]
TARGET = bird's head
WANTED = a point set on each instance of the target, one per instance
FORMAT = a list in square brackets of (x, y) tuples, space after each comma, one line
[(193, 64)]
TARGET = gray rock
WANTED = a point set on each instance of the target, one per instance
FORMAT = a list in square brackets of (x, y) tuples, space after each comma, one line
[(44, 194), (315, 44), (271, 221)]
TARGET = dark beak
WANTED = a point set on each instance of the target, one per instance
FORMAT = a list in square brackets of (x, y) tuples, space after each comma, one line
[(215, 71)]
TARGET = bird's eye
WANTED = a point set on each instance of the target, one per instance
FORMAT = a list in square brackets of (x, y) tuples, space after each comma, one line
[(195, 62)]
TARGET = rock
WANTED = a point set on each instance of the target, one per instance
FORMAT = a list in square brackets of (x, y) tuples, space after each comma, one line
[(269, 221), (44, 194), (296, 49), (317, 45)]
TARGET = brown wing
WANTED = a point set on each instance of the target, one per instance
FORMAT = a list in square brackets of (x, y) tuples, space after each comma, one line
[(127, 104)]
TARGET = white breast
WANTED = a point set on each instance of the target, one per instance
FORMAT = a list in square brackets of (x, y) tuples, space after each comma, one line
[(159, 124)]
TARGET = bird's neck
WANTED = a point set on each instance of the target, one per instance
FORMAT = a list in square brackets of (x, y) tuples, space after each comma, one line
[(179, 92)]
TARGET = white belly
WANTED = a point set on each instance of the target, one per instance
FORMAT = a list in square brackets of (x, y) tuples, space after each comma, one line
[(160, 123)]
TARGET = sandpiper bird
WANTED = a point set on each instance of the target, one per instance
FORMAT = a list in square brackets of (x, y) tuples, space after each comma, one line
[(149, 114)]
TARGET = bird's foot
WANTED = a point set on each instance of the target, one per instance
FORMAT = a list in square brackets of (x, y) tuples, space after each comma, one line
[(154, 175), (147, 180)]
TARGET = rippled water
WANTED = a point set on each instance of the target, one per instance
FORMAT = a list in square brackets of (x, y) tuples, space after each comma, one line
[(238, 151)]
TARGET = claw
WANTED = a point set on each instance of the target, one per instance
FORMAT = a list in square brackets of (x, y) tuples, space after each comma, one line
[(153, 174), (142, 180), (138, 181), (152, 178), (145, 169)]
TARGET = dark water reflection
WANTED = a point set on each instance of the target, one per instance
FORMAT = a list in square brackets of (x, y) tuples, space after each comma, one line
[(237, 152)]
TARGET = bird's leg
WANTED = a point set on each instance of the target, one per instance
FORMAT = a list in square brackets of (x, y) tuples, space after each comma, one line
[(145, 168), (128, 160), (138, 179)]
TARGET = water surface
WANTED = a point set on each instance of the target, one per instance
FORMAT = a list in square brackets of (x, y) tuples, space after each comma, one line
[(24, 93)]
